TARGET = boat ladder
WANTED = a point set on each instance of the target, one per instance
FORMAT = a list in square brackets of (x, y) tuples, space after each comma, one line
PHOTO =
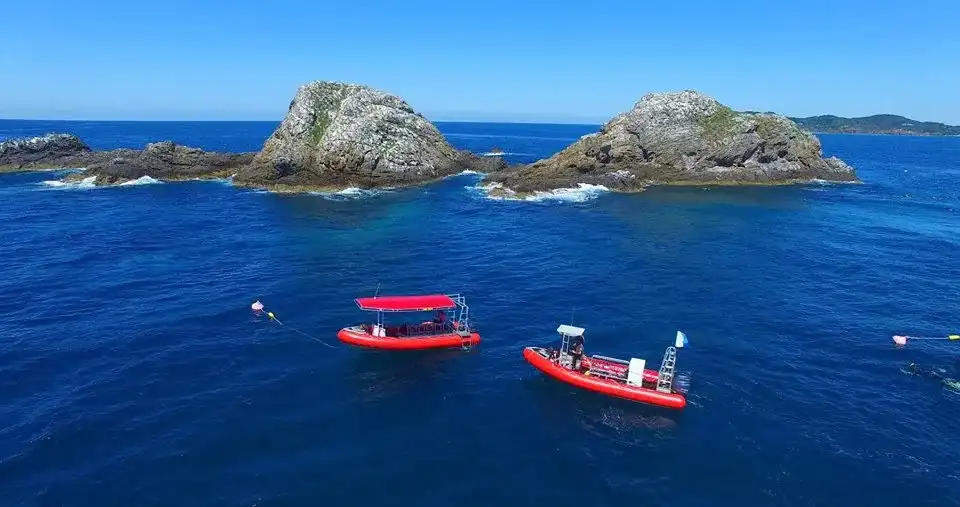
[(665, 377), (466, 339)]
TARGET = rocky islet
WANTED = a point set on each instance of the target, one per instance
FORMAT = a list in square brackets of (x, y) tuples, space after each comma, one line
[(682, 138), (338, 135)]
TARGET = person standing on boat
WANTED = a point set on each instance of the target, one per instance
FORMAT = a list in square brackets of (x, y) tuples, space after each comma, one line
[(576, 350)]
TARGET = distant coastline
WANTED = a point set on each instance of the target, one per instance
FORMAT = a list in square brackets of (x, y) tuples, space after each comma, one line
[(882, 124)]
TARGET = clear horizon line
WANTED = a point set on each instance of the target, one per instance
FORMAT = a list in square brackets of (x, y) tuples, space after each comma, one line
[(513, 121), (88, 120)]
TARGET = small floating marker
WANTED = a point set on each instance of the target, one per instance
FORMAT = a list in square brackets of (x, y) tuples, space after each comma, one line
[(258, 307), (901, 341)]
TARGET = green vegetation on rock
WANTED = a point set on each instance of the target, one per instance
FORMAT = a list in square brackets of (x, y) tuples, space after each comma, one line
[(767, 126), (319, 129), (720, 124)]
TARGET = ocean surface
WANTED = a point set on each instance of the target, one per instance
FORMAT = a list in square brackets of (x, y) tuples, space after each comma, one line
[(133, 372)]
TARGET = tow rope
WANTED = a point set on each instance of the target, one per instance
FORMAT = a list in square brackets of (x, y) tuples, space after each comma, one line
[(258, 309)]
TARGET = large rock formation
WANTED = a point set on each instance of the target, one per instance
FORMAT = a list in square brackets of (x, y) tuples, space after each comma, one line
[(344, 135), (685, 137), (45, 152), (163, 161)]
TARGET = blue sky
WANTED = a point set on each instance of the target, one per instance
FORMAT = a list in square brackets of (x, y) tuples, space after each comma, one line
[(491, 60)]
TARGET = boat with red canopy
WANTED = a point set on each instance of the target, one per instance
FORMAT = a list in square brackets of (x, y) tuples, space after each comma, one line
[(443, 331), (630, 380)]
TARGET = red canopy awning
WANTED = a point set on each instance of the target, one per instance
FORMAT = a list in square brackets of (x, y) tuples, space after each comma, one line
[(406, 303)]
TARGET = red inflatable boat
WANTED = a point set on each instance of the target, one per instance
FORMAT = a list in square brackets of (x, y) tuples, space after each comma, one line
[(441, 332), (629, 380)]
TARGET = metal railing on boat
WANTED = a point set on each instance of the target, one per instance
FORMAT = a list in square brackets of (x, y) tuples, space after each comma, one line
[(612, 360), (427, 329), (601, 372)]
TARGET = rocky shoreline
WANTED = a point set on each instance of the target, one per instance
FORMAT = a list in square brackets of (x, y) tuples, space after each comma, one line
[(338, 135)]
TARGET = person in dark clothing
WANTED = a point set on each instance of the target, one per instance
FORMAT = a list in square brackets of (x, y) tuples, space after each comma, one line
[(937, 374), (919, 370), (576, 350)]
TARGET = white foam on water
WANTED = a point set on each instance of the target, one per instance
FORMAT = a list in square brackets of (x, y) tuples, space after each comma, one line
[(582, 193), (143, 180), (84, 184), (502, 153), (349, 193), (505, 193), (466, 172), (223, 181), (818, 181)]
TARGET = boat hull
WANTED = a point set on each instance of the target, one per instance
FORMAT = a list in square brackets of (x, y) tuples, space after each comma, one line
[(603, 385), (442, 341)]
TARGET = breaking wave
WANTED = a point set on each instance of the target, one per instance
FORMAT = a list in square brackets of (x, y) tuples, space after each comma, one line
[(818, 181), (86, 183), (502, 153), (582, 193), (143, 180), (349, 194)]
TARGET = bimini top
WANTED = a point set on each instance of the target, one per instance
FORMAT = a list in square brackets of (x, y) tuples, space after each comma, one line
[(570, 330), (407, 303)]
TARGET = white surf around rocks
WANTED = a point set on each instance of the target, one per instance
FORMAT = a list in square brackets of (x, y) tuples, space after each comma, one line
[(582, 193), (143, 180), (84, 184), (350, 194)]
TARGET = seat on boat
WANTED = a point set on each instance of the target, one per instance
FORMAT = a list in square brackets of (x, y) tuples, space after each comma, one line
[(608, 367)]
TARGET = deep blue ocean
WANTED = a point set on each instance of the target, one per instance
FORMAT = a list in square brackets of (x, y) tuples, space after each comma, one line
[(133, 373)]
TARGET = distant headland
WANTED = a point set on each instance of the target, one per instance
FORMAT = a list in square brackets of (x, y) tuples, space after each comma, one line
[(889, 124), (339, 135)]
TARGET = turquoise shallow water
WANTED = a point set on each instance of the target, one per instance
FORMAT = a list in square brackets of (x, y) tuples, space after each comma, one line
[(133, 373)]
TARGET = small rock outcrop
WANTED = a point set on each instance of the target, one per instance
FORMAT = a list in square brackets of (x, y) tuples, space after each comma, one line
[(346, 135), (165, 160), (45, 152), (678, 138)]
